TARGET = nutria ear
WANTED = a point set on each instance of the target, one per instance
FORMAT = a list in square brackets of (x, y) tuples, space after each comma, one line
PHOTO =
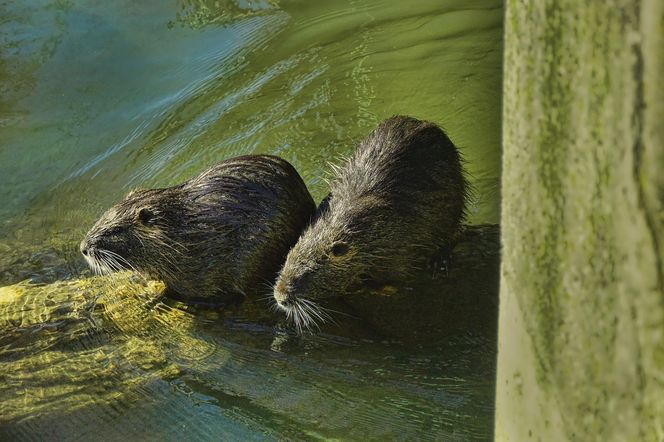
[(323, 207)]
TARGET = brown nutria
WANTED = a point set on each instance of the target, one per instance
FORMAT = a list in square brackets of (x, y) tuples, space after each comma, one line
[(222, 233), (397, 203)]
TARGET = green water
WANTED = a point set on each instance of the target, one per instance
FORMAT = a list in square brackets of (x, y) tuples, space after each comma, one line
[(97, 98)]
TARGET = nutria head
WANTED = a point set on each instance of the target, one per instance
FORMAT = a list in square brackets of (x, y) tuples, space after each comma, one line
[(335, 249), (396, 202), (140, 233), (343, 251)]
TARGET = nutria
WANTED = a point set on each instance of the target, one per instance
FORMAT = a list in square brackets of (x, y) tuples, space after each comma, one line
[(398, 202), (221, 234)]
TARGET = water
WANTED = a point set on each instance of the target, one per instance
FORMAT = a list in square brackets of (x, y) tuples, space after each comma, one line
[(97, 98)]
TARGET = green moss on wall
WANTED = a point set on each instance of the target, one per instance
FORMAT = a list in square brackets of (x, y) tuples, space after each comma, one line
[(581, 346)]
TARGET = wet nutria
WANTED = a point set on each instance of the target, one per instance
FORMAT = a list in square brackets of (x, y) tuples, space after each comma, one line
[(397, 202), (222, 233)]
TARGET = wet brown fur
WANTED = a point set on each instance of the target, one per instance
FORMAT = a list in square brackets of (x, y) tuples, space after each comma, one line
[(396, 203), (221, 234)]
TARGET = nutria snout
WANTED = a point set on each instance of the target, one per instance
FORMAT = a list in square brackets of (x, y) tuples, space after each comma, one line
[(397, 202), (222, 233)]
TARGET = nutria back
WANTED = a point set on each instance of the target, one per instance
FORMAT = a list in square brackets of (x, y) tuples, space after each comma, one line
[(221, 234), (396, 203)]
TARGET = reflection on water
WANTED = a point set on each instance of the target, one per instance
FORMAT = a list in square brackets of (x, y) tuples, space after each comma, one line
[(99, 97)]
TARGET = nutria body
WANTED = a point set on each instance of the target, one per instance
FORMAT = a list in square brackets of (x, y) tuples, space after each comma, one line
[(396, 203), (221, 234)]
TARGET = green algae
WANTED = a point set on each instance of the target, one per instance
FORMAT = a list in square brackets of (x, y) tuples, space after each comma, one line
[(60, 352)]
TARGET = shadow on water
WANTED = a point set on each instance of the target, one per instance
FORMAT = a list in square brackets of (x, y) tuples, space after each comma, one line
[(98, 98)]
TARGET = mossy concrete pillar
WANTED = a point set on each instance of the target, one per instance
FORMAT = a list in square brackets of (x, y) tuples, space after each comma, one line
[(581, 333)]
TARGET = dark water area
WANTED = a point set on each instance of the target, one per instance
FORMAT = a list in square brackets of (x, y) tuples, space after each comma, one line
[(98, 98)]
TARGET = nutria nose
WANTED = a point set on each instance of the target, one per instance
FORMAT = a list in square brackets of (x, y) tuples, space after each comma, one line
[(282, 295), (84, 247)]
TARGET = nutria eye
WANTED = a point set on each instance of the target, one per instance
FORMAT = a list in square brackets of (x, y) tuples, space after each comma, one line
[(146, 216), (339, 249)]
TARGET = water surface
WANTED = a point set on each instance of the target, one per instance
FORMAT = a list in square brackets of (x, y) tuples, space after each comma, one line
[(97, 98)]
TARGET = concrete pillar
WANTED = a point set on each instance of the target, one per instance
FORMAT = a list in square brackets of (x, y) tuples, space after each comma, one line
[(581, 327)]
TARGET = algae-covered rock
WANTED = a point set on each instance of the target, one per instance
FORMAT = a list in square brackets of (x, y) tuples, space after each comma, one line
[(74, 343)]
